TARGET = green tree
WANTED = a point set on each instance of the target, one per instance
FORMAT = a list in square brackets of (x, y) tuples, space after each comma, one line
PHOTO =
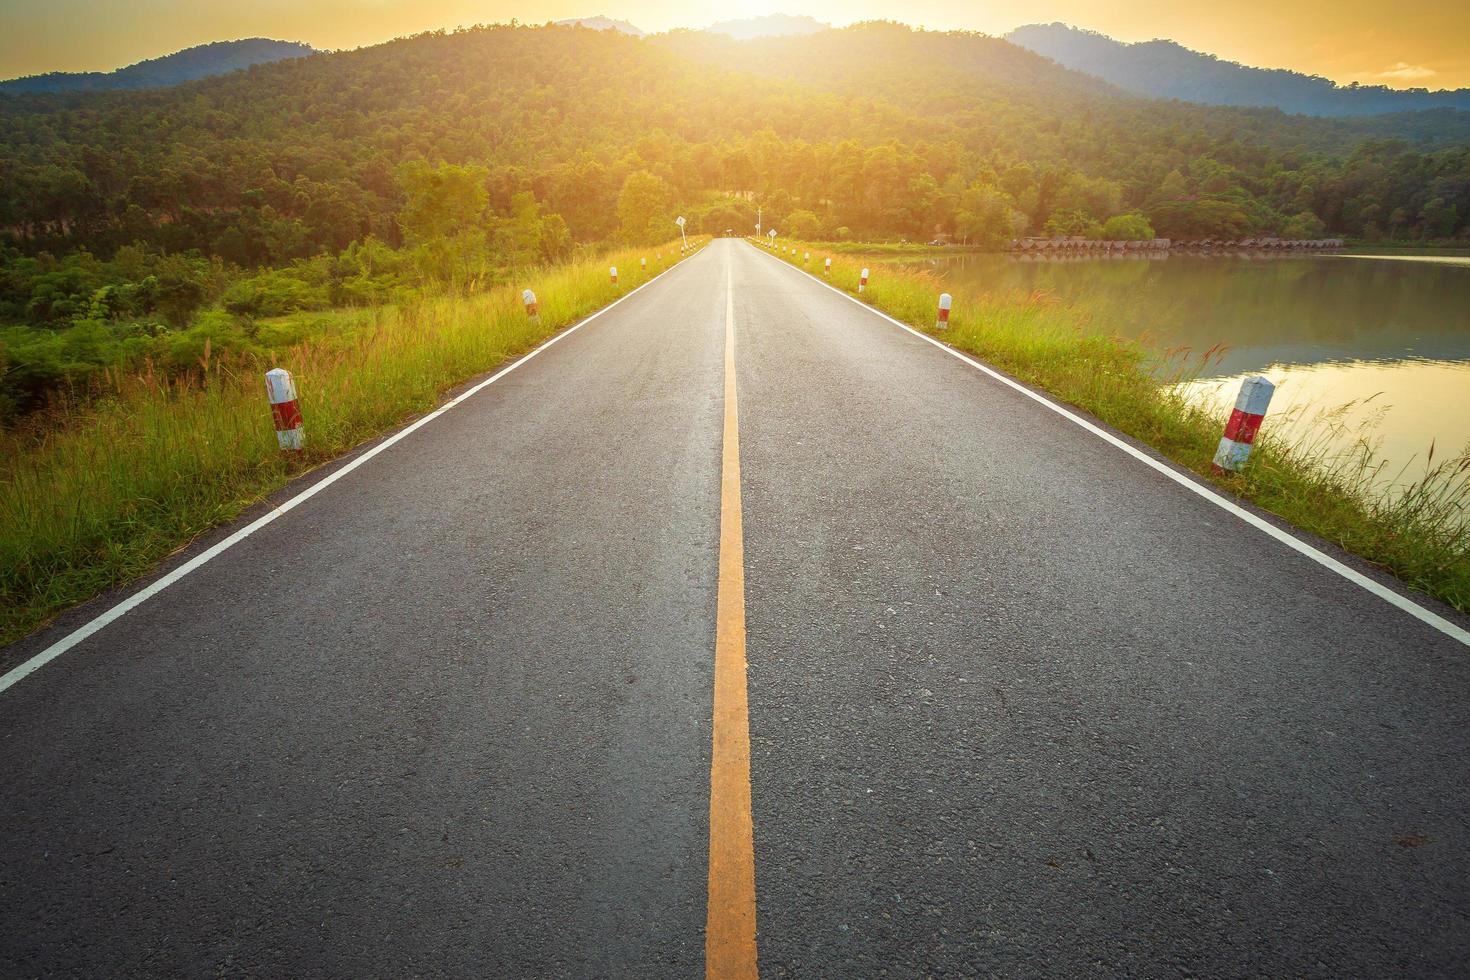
[(1073, 222), (1303, 226), (182, 286), (1438, 218), (442, 201), (803, 224), (1173, 188), (519, 238), (1131, 227), (556, 238), (444, 220), (645, 211), (987, 217), (1096, 197), (1199, 219)]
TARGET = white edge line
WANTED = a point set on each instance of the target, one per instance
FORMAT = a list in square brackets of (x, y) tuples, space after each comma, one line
[(23, 670), (1388, 595)]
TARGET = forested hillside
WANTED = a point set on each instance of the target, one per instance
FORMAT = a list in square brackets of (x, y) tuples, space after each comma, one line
[(877, 129), (447, 156), (181, 66), (1167, 70)]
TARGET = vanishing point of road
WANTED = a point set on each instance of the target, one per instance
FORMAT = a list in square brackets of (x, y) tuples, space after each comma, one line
[(739, 626)]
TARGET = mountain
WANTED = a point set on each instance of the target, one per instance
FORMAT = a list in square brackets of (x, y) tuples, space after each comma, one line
[(202, 61), (871, 131), (771, 25), (601, 23), (1164, 69)]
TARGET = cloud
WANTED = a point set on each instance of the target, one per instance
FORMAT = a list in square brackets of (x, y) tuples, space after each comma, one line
[(1402, 71)]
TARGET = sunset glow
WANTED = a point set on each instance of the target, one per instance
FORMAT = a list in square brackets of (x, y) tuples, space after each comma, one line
[(1420, 45)]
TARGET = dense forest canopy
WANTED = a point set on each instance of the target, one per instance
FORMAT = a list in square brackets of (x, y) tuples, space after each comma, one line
[(128, 219), (878, 129)]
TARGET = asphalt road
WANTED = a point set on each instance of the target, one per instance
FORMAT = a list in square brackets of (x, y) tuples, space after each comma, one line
[(1018, 704)]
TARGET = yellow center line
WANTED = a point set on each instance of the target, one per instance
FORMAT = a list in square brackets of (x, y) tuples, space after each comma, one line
[(729, 931)]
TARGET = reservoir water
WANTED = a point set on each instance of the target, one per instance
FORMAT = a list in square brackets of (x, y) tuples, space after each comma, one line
[(1362, 347)]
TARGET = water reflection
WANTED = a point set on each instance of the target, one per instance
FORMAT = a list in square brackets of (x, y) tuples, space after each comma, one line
[(1393, 331), (1404, 408)]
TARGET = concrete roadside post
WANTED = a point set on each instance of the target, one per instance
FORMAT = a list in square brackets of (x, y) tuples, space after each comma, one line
[(863, 280), (533, 309), (945, 300), (613, 274), (1245, 422), (827, 267), (281, 391)]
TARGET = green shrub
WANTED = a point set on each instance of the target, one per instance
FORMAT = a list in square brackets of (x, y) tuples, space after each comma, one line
[(212, 335), (118, 483), (274, 293), (1132, 227)]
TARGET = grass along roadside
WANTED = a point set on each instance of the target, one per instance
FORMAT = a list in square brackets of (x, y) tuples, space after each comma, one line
[(100, 496), (1421, 534)]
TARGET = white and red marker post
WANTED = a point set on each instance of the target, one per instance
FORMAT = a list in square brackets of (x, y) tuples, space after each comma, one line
[(1245, 421), (532, 307), (806, 257), (281, 391), (613, 274), (945, 301), (827, 267), (643, 262), (863, 280)]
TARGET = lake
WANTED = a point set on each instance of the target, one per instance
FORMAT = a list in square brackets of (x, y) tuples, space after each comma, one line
[(1381, 343)]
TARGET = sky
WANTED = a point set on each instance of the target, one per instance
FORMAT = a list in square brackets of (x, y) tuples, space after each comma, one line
[(1423, 44)]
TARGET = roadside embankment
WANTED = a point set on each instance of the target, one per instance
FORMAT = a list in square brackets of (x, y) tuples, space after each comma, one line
[(98, 495), (1420, 533)]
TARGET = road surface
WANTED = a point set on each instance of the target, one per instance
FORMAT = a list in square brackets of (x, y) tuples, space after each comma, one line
[(1018, 704)]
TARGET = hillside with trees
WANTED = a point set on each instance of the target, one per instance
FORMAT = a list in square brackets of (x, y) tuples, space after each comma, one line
[(138, 222), (201, 61), (602, 23), (1166, 70)]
